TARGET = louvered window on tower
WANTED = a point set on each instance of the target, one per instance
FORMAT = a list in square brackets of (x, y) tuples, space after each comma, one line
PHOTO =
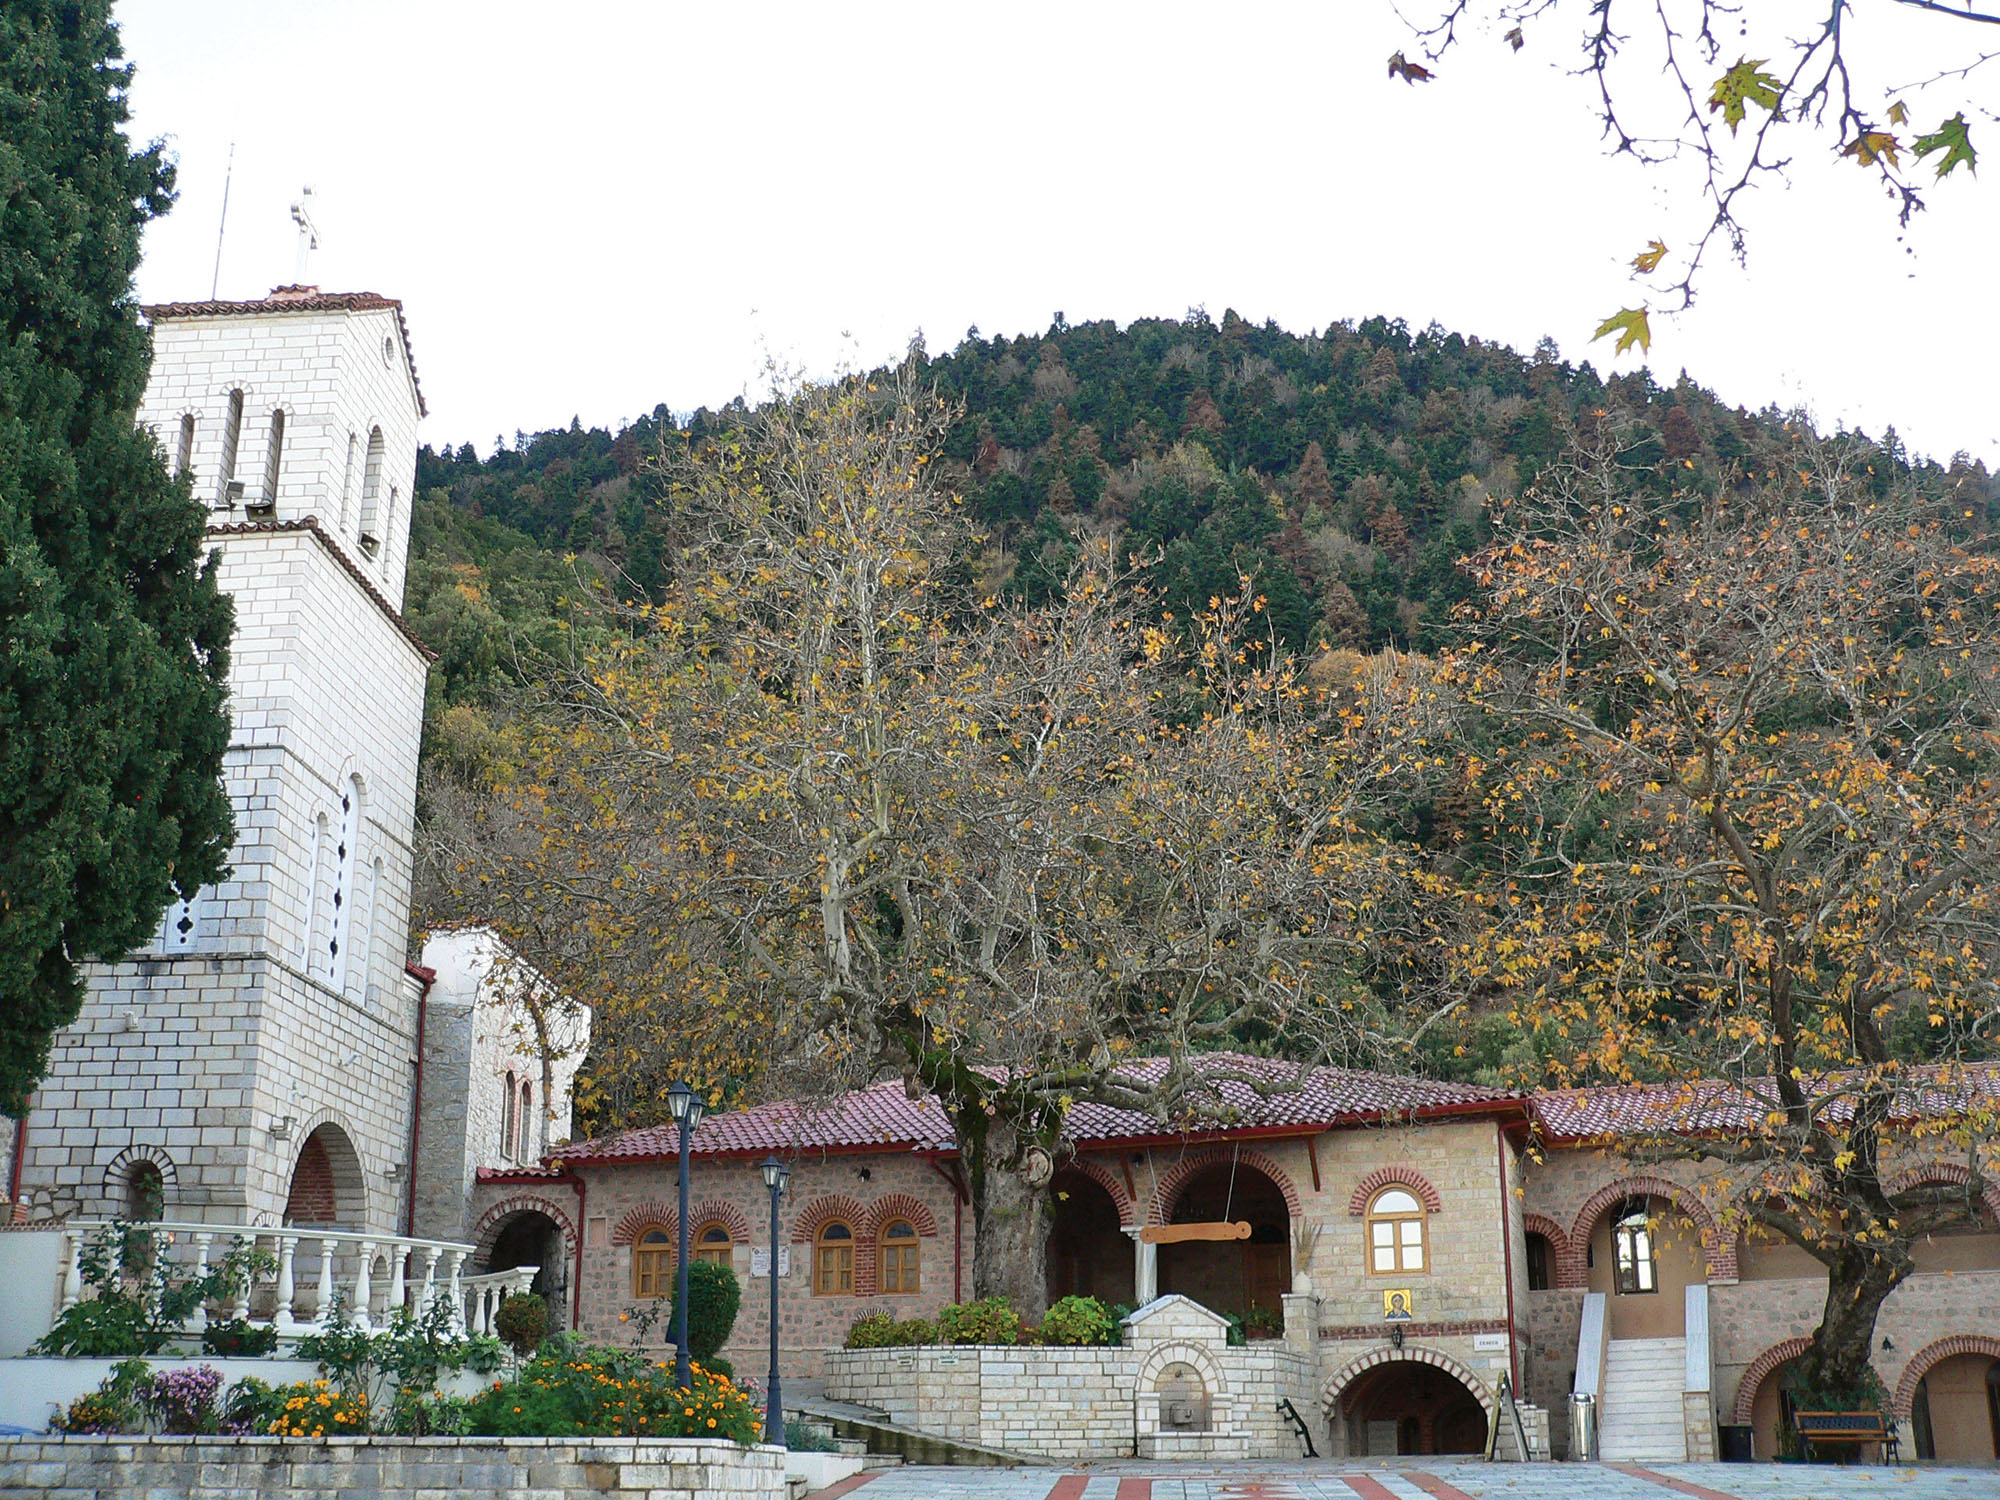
[(274, 457), (228, 488), (370, 531), (184, 456)]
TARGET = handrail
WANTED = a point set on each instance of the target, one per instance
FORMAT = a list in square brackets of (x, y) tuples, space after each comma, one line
[(371, 1275)]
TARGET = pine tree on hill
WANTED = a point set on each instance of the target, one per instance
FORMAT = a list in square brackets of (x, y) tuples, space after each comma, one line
[(112, 718)]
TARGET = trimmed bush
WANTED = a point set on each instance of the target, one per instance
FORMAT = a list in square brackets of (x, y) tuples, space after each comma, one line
[(1076, 1321), (522, 1322), (990, 1320), (714, 1295)]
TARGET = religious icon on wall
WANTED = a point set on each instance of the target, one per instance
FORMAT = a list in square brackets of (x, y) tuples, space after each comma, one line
[(1396, 1305)]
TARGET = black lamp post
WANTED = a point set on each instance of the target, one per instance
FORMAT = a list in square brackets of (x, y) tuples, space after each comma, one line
[(686, 1107), (776, 1175)]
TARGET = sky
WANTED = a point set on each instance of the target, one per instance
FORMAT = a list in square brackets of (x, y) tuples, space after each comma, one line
[(592, 208)]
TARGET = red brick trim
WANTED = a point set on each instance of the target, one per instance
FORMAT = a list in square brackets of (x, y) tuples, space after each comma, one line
[(817, 1213), (1953, 1173), (1931, 1354), (728, 1215), (1667, 1481), (488, 1228), (1415, 1330), (644, 1216), (1104, 1177), (1718, 1250), (1758, 1369), (1168, 1190), (1384, 1177), (898, 1206), (1354, 1369), (1566, 1264)]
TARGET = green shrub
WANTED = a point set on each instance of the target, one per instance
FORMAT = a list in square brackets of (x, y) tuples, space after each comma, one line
[(802, 1436), (575, 1389), (1079, 1320), (875, 1331), (237, 1338), (915, 1331), (136, 1306), (714, 1295), (522, 1322), (990, 1320), (116, 1404), (251, 1406)]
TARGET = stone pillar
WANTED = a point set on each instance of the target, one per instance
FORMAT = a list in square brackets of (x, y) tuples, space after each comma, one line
[(1302, 1325)]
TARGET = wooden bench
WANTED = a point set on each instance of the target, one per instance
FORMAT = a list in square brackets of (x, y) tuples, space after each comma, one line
[(1857, 1427)]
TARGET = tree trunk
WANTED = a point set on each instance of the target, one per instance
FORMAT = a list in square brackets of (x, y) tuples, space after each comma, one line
[(1010, 1219), (1840, 1359)]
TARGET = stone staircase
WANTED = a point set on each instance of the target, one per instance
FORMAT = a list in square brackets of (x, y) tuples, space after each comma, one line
[(1641, 1416)]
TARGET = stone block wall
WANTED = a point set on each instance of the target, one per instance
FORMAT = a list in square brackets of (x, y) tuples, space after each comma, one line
[(861, 1190), (128, 1468)]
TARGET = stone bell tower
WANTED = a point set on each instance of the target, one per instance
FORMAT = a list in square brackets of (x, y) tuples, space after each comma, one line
[(255, 1064)]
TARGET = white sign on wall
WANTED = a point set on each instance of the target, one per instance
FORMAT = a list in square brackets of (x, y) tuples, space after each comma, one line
[(760, 1262), (1485, 1343)]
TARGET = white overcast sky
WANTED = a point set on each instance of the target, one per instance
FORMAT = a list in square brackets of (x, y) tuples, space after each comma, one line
[(592, 207)]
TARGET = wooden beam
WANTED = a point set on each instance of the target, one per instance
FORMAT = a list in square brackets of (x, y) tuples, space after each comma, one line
[(1174, 1234), (1312, 1155)]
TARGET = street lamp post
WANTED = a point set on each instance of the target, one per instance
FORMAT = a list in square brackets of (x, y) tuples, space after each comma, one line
[(776, 1175), (686, 1107)]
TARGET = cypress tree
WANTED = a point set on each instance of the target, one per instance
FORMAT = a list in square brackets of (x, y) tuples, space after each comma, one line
[(114, 671)]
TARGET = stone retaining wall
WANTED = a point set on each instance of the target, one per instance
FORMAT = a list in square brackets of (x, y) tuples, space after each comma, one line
[(128, 1468)]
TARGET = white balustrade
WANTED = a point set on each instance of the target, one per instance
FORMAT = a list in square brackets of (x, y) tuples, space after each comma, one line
[(345, 1275)]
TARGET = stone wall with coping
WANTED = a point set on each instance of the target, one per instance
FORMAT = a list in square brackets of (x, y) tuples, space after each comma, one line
[(1065, 1403), (143, 1468)]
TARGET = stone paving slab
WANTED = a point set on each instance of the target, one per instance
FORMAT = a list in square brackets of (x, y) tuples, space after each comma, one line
[(1432, 1479)]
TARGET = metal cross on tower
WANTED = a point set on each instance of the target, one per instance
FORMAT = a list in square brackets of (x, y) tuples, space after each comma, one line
[(308, 230)]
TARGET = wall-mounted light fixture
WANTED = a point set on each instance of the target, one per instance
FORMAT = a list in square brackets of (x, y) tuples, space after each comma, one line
[(281, 1128)]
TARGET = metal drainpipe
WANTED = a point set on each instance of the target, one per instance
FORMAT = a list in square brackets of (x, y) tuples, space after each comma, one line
[(417, 1109), (1507, 1241), (20, 1155)]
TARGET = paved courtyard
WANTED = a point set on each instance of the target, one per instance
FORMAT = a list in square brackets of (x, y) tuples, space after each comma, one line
[(1436, 1480)]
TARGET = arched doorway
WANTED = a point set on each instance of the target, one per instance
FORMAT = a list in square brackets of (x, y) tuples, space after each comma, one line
[(528, 1238), (1089, 1253), (1406, 1406), (327, 1189), (1644, 1258), (1956, 1410), (1232, 1276), (1771, 1411)]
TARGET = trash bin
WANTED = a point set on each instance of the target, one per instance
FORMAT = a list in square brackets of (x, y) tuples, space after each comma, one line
[(1738, 1444), (1582, 1427)]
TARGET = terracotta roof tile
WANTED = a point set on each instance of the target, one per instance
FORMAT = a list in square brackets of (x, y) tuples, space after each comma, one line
[(882, 1117), (300, 299), (1717, 1105)]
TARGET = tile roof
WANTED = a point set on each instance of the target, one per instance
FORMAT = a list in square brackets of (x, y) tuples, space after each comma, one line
[(883, 1117), (300, 299), (1718, 1105)]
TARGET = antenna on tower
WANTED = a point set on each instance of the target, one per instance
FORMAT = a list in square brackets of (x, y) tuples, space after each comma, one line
[(308, 231), (228, 174)]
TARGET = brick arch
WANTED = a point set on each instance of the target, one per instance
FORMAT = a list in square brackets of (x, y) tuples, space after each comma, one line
[(1104, 1177), (1951, 1172), (645, 1216), (345, 1184), (898, 1206), (728, 1215), (1759, 1370), (1168, 1190), (807, 1223), (1942, 1349), (1410, 1353), (487, 1231), (1558, 1239), (1382, 1177), (1718, 1250)]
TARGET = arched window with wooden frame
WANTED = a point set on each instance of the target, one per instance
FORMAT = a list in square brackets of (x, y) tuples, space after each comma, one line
[(507, 1100), (712, 1241), (898, 1259), (833, 1260), (1635, 1265), (652, 1262), (524, 1127), (1398, 1232)]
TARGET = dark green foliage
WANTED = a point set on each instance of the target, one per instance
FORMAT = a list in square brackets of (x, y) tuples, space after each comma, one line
[(990, 1320), (714, 1295), (112, 724), (237, 1338)]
